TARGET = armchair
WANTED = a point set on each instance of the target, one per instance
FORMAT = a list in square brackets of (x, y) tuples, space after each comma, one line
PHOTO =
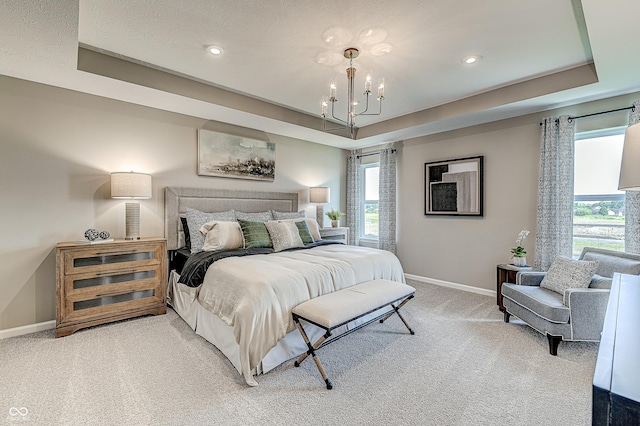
[(576, 315)]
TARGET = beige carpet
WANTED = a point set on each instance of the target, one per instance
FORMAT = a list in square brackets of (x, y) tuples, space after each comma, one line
[(464, 366)]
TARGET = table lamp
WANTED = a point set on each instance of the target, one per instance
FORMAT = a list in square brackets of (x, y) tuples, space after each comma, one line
[(319, 194), (130, 185)]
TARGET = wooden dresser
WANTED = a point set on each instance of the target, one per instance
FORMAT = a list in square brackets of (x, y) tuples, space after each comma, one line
[(101, 283)]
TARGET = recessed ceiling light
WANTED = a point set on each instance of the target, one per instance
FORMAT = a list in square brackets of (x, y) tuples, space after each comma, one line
[(471, 59), (215, 50)]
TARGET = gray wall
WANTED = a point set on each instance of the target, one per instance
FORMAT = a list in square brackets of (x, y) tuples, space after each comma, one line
[(57, 150), (466, 250)]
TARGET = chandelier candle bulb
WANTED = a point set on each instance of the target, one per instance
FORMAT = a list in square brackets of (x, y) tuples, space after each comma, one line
[(367, 83), (381, 88), (325, 104), (332, 89)]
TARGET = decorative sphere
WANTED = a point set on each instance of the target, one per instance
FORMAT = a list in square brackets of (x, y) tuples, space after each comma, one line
[(104, 235), (91, 234)]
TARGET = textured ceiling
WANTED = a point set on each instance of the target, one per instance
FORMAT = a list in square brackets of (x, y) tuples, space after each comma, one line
[(535, 55)]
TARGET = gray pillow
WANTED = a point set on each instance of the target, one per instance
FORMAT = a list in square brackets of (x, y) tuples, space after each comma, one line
[(567, 273), (284, 234), (287, 215), (195, 220), (254, 217)]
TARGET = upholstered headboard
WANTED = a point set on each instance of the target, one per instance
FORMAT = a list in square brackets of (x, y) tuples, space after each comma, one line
[(219, 200)]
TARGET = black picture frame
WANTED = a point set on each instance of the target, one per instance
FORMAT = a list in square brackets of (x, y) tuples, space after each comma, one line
[(454, 187)]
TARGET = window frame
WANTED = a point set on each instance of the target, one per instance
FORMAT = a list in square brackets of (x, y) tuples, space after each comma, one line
[(363, 202), (594, 134)]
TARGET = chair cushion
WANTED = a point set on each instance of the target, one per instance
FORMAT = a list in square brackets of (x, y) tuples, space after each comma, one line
[(541, 301), (608, 264), (567, 273), (599, 281)]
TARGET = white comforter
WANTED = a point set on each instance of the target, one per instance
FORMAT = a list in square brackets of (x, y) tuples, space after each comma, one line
[(255, 294)]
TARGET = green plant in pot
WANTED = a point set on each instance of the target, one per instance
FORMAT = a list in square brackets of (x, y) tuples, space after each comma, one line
[(335, 216), (519, 253)]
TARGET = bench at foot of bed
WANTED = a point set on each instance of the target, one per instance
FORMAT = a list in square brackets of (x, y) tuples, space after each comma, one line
[(336, 309)]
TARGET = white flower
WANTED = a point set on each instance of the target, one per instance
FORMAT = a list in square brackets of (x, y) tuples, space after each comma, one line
[(521, 237)]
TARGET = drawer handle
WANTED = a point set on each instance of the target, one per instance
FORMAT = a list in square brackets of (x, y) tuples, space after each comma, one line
[(115, 293), (105, 253), (121, 272)]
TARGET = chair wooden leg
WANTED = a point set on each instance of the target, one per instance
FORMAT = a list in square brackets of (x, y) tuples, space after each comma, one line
[(554, 341), (506, 315)]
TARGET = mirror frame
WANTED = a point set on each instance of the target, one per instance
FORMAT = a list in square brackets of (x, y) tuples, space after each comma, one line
[(446, 192)]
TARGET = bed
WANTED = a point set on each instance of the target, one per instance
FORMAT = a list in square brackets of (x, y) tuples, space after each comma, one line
[(241, 300)]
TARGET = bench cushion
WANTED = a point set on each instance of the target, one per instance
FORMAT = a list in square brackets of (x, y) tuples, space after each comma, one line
[(339, 307)]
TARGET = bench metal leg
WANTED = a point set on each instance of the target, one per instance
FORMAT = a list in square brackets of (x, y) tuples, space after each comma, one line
[(312, 351), (396, 310)]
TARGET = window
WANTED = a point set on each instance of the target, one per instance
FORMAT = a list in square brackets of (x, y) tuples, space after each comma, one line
[(369, 199), (598, 215)]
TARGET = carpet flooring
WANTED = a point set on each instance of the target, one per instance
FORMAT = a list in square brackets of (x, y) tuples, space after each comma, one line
[(464, 366)]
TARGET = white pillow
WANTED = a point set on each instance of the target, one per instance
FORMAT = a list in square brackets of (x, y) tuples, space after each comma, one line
[(221, 236), (284, 234)]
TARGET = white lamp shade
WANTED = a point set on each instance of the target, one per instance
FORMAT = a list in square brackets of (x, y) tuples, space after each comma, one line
[(630, 167), (319, 194), (130, 185)]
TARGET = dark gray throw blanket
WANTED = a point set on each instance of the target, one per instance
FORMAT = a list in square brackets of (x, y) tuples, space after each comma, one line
[(196, 266)]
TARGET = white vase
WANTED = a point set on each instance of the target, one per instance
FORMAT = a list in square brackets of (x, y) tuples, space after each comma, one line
[(519, 261)]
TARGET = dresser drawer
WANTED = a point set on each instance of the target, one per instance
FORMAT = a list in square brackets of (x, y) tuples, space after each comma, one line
[(91, 303), (108, 259)]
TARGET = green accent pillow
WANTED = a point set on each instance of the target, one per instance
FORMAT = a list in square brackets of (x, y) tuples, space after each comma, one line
[(255, 234), (305, 234)]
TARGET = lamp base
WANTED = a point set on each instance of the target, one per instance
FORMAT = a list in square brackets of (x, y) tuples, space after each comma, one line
[(320, 215), (132, 221)]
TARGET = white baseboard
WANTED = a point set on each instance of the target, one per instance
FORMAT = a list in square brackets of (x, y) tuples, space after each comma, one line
[(457, 286), (27, 329)]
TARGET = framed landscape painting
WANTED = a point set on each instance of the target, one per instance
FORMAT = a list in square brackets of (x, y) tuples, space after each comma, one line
[(231, 156), (454, 187)]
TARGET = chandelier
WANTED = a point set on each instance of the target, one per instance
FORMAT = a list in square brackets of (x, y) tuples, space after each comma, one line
[(350, 122)]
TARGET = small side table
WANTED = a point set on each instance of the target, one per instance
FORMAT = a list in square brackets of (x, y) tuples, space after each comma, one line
[(506, 274), (339, 234)]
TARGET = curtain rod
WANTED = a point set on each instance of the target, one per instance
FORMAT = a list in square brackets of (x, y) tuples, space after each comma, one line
[(366, 154), (632, 108)]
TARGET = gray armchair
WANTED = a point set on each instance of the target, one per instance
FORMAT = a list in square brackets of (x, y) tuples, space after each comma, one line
[(576, 315)]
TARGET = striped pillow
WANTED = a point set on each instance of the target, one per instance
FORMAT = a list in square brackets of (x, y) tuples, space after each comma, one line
[(255, 234)]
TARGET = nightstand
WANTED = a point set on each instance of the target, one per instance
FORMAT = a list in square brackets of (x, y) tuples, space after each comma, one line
[(339, 234), (101, 283), (507, 274)]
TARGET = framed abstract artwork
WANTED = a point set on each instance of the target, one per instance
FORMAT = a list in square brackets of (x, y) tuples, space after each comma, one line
[(454, 187), (224, 155)]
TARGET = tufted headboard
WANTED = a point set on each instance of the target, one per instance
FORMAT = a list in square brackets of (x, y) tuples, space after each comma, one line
[(219, 200)]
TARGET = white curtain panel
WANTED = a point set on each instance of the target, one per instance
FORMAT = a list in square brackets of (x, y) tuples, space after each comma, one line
[(632, 202), (387, 200), (554, 229), (353, 195)]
